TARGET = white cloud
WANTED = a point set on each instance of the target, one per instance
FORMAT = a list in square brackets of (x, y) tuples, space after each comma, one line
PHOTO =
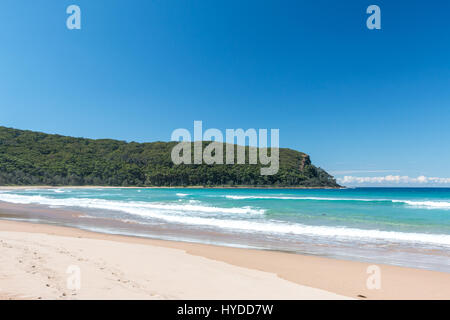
[(390, 179), (361, 171)]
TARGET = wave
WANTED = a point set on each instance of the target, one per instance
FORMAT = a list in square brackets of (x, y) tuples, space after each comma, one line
[(425, 204), (182, 194), (283, 198), (279, 228), (182, 214), (119, 205), (304, 198)]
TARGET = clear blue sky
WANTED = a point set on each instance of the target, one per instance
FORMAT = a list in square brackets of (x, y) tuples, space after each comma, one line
[(360, 102)]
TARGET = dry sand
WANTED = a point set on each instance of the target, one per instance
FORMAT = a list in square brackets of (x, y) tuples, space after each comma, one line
[(34, 260)]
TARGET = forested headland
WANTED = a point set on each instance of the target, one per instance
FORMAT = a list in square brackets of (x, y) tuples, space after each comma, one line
[(35, 158)]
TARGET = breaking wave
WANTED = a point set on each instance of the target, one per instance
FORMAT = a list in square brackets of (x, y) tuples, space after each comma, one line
[(423, 204)]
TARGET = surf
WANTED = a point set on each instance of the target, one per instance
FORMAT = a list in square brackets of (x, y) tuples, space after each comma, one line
[(425, 204), (219, 217)]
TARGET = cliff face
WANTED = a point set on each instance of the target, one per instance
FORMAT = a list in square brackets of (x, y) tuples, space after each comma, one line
[(34, 158), (306, 161)]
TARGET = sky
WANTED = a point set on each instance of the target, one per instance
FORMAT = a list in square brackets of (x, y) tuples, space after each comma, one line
[(371, 107)]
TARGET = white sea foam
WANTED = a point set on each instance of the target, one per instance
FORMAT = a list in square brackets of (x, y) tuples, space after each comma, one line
[(442, 204), (119, 205), (426, 204), (185, 214), (303, 198), (182, 194)]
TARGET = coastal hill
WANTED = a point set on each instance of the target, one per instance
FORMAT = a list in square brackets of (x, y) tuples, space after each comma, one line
[(35, 158)]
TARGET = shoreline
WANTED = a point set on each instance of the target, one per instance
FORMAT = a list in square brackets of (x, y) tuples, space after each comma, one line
[(334, 278), (79, 218)]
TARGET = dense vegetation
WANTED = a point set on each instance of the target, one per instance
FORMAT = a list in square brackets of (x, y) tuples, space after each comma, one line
[(34, 158)]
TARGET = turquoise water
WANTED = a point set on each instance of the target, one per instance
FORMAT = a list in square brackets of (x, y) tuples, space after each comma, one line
[(390, 225)]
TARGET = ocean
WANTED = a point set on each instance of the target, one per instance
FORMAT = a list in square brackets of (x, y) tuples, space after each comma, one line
[(398, 226)]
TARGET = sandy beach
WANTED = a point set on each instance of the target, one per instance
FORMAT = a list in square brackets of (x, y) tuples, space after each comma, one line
[(37, 261)]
